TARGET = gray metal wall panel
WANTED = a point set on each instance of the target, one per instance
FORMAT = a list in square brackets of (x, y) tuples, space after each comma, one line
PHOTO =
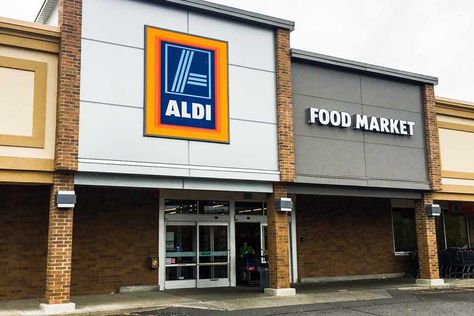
[(417, 140), (326, 83), (391, 94), (324, 131), (249, 45), (341, 191), (385, 162), (329, 157), (116, 133), (312, 179), (254, 92), (351, 157), (122, 21), (254, 146), (111, 74)]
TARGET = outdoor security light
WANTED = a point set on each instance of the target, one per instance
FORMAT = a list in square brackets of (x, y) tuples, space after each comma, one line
[(66, 199), (433, 210), (283, 204)]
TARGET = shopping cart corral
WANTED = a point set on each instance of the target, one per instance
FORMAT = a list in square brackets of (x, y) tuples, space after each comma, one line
[(456, 263)]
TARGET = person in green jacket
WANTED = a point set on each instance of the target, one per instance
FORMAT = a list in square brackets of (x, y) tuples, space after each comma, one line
[(246, 250)]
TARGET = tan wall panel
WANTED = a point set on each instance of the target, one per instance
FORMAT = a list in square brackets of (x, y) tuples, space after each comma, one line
[(457, 150), (51, 59), (16, 101)]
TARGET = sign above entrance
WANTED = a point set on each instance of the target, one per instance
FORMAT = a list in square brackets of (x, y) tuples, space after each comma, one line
[(186, 86), (359, 122)]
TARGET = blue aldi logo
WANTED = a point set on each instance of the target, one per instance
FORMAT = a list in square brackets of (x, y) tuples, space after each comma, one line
[(186, 86), (188, 74)]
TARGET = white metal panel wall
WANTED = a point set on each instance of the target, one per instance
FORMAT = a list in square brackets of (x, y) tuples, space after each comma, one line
[(111, 120)]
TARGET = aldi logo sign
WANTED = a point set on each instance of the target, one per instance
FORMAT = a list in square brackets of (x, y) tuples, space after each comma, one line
[(186, 86)]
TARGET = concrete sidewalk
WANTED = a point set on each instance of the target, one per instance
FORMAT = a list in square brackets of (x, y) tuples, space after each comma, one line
[(222, 299)]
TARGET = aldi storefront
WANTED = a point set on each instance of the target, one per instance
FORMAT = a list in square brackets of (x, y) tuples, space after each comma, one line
[(194, 147)]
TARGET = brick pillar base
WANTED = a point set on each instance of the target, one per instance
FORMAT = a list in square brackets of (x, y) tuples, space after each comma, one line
[(278, 261), (58, 270), (427, 245)]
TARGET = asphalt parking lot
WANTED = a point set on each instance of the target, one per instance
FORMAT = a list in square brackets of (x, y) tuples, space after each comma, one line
[(402, 302)]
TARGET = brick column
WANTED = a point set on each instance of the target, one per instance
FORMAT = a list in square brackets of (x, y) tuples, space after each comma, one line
[(58, 278), (286, 146), (58, 271), (279, 266), (427, 245), (432, 137), (425, 226), (278, 260)]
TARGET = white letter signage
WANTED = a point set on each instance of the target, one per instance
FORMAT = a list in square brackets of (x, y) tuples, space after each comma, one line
[(362, 122)]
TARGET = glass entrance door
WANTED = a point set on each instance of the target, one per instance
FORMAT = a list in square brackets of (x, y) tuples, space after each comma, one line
[(213, 259), (181, 255), (197, 255)]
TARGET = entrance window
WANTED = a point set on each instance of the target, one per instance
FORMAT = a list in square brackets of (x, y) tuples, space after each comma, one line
[(456, 230), (213, 207), (452, 230), (250, 208), (180, 207), (404, 229)]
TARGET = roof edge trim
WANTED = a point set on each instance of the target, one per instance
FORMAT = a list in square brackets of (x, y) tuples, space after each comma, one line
[(46, 10), (197, 5), (363, 67)]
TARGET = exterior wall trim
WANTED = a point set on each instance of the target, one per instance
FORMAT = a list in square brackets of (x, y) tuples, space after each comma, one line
[(352, 191), (19, 163), (457, 189), (441, 196), (455, 108), (26, 176), (29, 35), (456, 127), (457, 175), (362, 67)]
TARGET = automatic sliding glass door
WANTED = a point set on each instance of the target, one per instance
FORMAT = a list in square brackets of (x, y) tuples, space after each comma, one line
[(213, 259), (181, 255), (197, 255)]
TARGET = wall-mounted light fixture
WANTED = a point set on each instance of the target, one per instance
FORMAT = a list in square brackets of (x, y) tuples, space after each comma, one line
[(433, 210), (66, 199), (283, 205)]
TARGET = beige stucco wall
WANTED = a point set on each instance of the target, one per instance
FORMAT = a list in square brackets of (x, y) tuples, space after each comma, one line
[(16, 121), (457, 150), (457, 153), (16, 101)]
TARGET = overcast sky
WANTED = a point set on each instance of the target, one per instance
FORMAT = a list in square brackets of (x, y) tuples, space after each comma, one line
[(432, 37)]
